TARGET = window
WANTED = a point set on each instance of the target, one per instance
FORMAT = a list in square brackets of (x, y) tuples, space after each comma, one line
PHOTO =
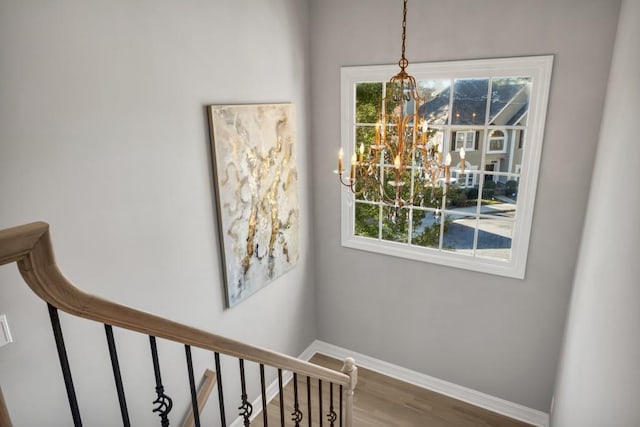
[(495, 109), (496, 142), (466, 139), (464, 180)]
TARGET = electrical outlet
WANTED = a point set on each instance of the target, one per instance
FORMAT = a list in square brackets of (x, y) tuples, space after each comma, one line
[(5, 333)]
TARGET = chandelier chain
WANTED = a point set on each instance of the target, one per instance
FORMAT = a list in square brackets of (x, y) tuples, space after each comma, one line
[(403, 61)]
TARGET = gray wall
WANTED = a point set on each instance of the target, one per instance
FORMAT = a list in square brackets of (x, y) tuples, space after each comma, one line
[(497, 335), (599, 376), (103, 134)]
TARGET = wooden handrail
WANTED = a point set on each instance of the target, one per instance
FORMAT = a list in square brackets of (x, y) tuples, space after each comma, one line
[(5, 420), (203, 395), (17, 242), (30, 246)]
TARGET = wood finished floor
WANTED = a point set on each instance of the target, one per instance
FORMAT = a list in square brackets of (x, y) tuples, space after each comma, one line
[(381, 401)]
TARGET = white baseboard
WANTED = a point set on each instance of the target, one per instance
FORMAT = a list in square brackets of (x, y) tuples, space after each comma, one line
[(483, 400), (492, 403)]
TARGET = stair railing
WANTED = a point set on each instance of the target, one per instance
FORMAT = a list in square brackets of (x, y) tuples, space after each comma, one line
[(30, 247)]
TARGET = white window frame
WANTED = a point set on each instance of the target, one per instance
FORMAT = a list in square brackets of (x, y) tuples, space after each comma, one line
[(470, 172), (538, 68), (502, 138), (468, 145)]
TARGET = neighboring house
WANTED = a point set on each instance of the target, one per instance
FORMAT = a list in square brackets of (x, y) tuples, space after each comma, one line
[(504, 130)]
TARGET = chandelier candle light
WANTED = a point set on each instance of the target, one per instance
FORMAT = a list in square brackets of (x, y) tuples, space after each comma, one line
[(402, 151)]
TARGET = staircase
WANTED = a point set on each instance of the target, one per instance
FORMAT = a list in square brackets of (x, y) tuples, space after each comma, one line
[(30, 247)]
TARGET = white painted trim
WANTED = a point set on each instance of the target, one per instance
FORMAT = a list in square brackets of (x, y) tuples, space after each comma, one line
[(502, 138), (464, 142), (483, 400), (5, 333), (272, 389), (538, 68)]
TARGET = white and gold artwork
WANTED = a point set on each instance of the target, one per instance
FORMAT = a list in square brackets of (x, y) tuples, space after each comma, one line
[(256, 174)]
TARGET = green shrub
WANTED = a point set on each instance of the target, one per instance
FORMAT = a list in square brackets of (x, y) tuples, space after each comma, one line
[(489, 190), (488, 193), (512, 188), (395, 224), (432, 197), (457, 196), (472, 193), (429, 238)]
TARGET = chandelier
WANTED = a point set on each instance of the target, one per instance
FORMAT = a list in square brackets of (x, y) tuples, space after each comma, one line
[(403, 159)]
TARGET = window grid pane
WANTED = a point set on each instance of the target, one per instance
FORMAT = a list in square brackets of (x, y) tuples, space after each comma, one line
[(488, 117)]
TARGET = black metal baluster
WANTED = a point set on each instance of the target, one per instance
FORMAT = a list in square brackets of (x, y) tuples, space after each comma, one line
[(281, 397), (192, 386), (331, 415), (320, 403), (309, 399), (245, 408), (263, 390), (163, 402), (117, 376), (64, 364), (220, 395), (340, 405), (296, 415)]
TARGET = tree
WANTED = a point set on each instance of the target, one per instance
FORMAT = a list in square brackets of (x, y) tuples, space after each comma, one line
[(368, 101)]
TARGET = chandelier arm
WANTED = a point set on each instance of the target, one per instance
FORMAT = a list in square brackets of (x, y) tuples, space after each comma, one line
[(387, 200), (346, 184), (360, 174), (380, 183), (414, 136)]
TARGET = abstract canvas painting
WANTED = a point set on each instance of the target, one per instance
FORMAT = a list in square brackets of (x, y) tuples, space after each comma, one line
[(256, 177)]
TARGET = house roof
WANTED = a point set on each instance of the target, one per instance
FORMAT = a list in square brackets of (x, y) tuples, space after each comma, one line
[(508, 105)]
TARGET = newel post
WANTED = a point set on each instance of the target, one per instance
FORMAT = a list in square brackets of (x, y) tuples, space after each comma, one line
[(350, 369)]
